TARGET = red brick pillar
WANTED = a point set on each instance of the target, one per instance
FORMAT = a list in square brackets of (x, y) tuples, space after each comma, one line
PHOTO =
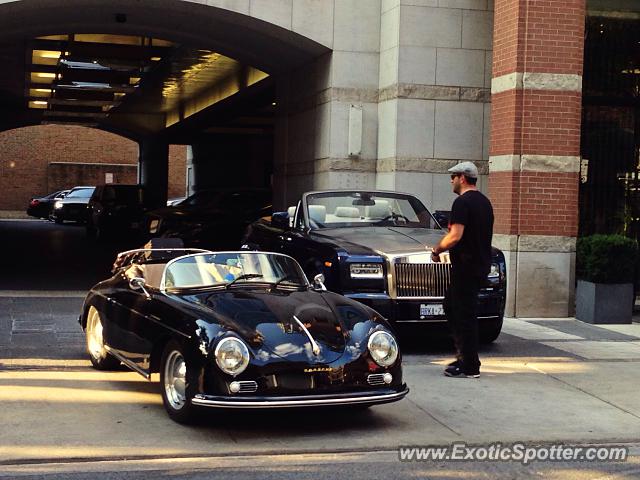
[(534, 154)]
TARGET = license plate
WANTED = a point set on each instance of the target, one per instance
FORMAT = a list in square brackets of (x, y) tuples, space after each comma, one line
[(431, 310)]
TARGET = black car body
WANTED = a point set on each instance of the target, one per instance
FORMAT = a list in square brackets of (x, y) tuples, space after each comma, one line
[(238, 330), (41, 207), (374, 247), (211, 219), (73, 207), (115, 208)]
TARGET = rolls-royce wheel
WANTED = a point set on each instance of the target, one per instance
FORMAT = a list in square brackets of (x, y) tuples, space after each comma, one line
[(490, 330), (100, 358), (176, 384)]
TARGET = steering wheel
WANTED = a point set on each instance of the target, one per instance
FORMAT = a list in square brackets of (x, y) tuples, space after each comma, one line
[(395, 216)]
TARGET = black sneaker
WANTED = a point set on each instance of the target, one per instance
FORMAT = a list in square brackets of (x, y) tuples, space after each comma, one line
[(456, 363), (456, 372)]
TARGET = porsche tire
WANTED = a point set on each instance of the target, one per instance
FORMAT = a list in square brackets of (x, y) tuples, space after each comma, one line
[(98, 354), (177, 384)]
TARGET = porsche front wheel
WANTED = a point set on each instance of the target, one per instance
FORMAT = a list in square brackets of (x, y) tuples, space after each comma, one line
[(100, 358), (176, 384)]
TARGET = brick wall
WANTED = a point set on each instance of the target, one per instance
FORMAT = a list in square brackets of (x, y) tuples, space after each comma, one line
[(545, 37), (26, 155), (552, 31)]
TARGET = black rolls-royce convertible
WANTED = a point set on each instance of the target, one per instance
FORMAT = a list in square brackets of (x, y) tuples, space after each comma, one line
[(374, 247), (239, 330)]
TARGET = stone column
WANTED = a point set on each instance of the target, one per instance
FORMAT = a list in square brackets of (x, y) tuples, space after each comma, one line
[(154, 171), (327, 110), (435, 76), (535, 147)]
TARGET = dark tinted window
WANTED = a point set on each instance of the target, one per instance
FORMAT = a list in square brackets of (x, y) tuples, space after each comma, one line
[(80, 193)]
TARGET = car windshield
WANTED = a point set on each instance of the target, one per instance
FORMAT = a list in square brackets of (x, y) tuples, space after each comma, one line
[(366, 209), (227, 268), (80, 193)]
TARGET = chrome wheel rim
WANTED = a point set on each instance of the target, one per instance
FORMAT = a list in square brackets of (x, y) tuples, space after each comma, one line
[(95, 340), (175, 373)]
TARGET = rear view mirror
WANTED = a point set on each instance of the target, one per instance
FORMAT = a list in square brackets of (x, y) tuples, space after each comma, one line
[(138, 283), (280, 220), (361, 202), (318, 282)]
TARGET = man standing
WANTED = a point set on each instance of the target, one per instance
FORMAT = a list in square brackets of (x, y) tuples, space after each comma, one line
[(469, 243)]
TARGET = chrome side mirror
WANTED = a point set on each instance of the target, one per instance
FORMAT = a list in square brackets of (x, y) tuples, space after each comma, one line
[(138, 283), (318, 282)]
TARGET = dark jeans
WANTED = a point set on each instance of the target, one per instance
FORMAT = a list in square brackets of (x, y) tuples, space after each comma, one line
[(460, 307)]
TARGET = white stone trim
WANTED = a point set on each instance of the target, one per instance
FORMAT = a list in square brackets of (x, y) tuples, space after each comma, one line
[(552, 81), (537, 81), (534, 163), (504, 163), (510, 81), (534, 243)]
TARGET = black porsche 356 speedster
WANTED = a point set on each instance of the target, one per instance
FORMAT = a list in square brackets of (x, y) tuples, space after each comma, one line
[(238, 330)]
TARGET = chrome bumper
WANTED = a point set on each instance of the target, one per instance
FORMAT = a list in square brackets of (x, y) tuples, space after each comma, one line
[(365, 398)]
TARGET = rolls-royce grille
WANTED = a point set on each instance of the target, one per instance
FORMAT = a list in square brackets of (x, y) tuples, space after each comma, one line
[(422, 279)]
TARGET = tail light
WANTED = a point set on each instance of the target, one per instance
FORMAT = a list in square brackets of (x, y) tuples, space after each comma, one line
[(34, 202)]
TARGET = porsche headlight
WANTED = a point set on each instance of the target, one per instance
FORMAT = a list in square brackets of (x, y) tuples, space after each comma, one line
[(495, 271), (57, 205), (383, 348), (232, 355), (366, 270)]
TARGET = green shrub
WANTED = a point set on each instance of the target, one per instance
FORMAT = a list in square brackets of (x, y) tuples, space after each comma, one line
[(606, 259)]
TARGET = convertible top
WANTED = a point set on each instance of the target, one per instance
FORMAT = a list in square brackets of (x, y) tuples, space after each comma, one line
[(151, 255)]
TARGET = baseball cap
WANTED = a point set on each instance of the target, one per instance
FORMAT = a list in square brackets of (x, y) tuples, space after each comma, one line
[(465, 168)]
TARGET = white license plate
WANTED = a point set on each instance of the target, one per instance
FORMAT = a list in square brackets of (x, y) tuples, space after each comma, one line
[(429, 310)]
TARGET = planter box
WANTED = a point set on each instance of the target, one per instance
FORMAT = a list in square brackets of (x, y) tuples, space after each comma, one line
[(604, 303)]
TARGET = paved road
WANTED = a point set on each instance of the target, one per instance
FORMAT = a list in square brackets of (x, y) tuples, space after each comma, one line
[(543, 381), (40, 255)]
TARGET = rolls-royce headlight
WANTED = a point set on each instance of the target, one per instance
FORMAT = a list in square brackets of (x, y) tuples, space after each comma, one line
[(383, 348), (495, 271), (57, 205), (232, 355), (366, 270)]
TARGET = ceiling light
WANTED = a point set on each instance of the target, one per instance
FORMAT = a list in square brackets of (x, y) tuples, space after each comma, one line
[(155, 59), (44, 75), (37, 104), (134, 80), (47, 53)]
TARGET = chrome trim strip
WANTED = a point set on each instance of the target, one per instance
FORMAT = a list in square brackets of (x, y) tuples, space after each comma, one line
[(314, 346), (439, 299), (202, 401), (128, 362), (425, 320), (152, 318)]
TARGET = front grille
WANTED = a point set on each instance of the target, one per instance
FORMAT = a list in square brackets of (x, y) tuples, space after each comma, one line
[(422, 279), (376, 379), (248, 386)]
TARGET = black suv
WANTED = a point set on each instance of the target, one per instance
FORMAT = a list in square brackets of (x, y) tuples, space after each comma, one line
[(115, 208)]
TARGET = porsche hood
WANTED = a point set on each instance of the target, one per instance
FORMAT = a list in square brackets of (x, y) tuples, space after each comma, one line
[(296, 326)]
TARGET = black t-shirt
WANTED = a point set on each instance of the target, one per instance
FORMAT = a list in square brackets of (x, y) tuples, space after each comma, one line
[(472, 253)]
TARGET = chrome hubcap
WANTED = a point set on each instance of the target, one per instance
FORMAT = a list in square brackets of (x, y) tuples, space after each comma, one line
[(95, 342), (175, 373)]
